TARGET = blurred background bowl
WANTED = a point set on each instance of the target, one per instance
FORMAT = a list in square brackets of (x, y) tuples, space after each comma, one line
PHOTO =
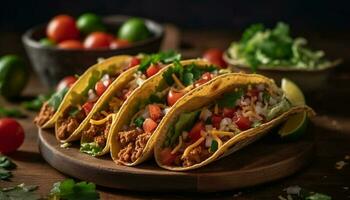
[(52, 63), (307, 80)]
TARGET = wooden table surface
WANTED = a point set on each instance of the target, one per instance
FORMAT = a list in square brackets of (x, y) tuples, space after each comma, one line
[(332, 124)]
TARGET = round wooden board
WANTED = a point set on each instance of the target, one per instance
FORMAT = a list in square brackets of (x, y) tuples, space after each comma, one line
[(263, 161)]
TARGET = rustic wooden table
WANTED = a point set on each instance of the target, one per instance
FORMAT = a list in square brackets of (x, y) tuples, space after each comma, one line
[(332, 125)]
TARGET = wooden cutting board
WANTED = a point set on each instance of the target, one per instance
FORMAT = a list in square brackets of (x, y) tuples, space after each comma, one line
[(266, 160)]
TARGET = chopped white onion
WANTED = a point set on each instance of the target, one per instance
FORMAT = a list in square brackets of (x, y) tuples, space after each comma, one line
[(224, 124), (205, 114), (92, 95), (105, 77), (208, 141), (139, 81), (260, 87), (166, 110)]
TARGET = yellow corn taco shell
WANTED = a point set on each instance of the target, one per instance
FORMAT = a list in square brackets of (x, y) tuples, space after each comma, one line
[(116, 63), (205, 95), (129, 109)]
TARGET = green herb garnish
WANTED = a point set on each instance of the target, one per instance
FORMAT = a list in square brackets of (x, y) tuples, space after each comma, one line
[(229, 99), (36, 104), (163, 57), (260, 46), (19, 192), (90, 148), (70, 190), (5, 166), (11, 112), (139, 121), (214, 146), (56, 99)]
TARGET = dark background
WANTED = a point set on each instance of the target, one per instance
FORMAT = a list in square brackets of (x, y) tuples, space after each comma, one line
[(319, 15)]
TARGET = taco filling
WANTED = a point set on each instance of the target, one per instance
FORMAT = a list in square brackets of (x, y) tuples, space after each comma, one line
[(95, 135), (83, 103), (178, 80), (196, 135)]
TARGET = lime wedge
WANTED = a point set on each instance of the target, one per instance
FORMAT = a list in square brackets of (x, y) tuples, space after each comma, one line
[(294, 127), (293, 92)]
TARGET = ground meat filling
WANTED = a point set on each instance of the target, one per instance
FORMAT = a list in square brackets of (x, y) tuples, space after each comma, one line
[(97, 133), (46, 112), (68, 124), (132, 144), (196, 155)]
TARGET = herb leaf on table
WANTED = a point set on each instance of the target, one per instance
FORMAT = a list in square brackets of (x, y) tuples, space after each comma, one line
[(5, 166), (20, 192), (70, 190)]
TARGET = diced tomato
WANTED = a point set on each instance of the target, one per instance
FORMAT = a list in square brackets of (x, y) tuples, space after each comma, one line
[(88, 107), (215, 120), (166, 157), (102, 86), (173, 96), (205, 78), (149, 125), (242, 122), (229, 112), (154, 111), (195, 132), (134, 61), (152, 70)]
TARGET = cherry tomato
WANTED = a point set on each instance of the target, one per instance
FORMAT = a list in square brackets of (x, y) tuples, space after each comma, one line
[(11, 135), (87, 107), (149, 125), (229, 112), (154, 111), (207, 76), (134, 61), (215, 120), (62, 27), (195, 132), (116, 44), (166, 157), (152, 70), (173, 96), (67, 81), (71, 44), (98, 40), (242, 122), (215, 56), (100, 87)]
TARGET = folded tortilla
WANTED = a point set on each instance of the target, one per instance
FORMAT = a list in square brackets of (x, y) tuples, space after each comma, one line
[(207, 95)]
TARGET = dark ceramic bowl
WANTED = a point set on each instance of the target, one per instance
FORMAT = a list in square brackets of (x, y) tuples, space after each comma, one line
[(52, 63), (307, 80)]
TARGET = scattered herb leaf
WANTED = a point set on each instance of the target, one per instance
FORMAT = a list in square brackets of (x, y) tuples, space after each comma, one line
[(11, 112), (229, 99), (20, 192), (70, 190), (35, 104)]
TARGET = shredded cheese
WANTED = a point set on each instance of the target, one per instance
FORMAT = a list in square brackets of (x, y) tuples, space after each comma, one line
[(104, 113), (178, 146), (192, 146), (101, 121), (222, 133), (177, 81), (216, 109)]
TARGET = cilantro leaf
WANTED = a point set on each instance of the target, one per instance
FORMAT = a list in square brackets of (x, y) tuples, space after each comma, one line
[(11, 112), (56, 99), (20, 192), (6, 163), (5, 174), (139, 121), (214, 146), (69, 190), (162, 57), (35, 104), (229, 99)]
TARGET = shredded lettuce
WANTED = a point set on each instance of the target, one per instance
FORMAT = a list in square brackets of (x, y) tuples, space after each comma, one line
[(90, 148)]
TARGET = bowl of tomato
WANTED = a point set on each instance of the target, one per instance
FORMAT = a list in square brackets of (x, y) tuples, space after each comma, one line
[(67, 46)]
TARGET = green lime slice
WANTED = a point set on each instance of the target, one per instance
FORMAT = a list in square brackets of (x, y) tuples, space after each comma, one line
[(293, 92), (294, 127)]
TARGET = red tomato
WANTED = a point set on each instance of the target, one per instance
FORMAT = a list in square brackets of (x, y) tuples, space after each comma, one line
[(98, 40), (152, 70), (243, 123), (11, 135), (207, 76), (88, 107), (100, 88), (215, 56), (134, 61), (154, 111), (71, 44), (166, 157), (116, 44), (229, 112), (67, 81), (215, 120), (149, 125), (254, 92), (195, 132), (62, 27), (173, 96)]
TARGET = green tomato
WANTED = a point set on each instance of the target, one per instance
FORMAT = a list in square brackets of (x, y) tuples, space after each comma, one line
[(133, 30), (47, 42), (89, 22), (13, 76)]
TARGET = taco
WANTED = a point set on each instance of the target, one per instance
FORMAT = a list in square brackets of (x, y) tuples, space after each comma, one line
[(59, 101), (95, 132), (134, 133), (220, 118)]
